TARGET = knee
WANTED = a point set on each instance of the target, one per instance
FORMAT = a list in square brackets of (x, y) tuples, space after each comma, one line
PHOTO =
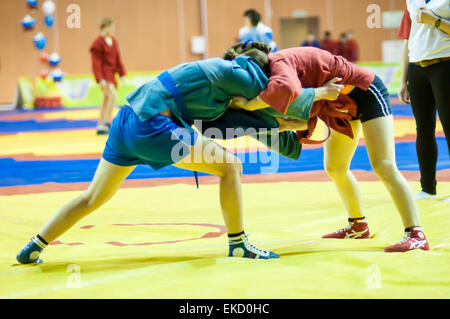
[(385, 169), (426, 132), (91, 201), (112, 91), (233, 169), (336, 172)]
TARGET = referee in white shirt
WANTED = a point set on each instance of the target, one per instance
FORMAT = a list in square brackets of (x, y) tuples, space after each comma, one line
[(255, 30), (426, 80)]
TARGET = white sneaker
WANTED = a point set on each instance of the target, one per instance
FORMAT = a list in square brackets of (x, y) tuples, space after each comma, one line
[(423, 195), (447, 200), (102, 130)]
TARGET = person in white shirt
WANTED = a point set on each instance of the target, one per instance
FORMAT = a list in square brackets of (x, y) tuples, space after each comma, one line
[(255, 30), (425, 80)]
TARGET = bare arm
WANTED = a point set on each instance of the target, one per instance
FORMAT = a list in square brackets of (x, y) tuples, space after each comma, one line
[(240, 102), (285, 124), (445, 26), (425, 16), (329, 91), (403, 94)]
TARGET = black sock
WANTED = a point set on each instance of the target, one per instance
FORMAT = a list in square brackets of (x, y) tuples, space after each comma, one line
[(237, 234), (41, 239), (350, 220), (408, 230)]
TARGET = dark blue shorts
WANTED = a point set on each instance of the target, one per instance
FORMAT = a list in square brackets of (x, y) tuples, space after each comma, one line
[(372, 103), (158, 142)]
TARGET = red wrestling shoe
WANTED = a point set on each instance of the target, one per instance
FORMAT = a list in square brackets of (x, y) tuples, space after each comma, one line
[(356, 229), (415, 239)]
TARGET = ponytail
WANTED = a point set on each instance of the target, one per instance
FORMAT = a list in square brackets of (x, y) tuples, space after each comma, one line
[(233, 52)]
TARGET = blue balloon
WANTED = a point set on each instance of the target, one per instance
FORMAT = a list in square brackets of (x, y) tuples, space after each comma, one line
[(28, 24), (54, 62), (32, 3), (57, 76), (40, 43), (49, 20)]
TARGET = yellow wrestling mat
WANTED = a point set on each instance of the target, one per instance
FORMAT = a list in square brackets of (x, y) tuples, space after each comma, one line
[(140, 245)]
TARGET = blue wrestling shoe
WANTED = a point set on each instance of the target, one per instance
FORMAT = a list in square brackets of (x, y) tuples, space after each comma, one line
[(30, 253), (240, 247)]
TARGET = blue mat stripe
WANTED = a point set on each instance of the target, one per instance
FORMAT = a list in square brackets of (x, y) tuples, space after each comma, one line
[(402, 110), (33, 125), (15, 173)]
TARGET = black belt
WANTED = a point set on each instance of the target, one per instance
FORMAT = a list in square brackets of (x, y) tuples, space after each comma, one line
[(185, 118)]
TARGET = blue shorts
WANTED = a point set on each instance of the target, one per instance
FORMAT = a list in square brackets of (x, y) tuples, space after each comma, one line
[(158, 142), (372, 103)]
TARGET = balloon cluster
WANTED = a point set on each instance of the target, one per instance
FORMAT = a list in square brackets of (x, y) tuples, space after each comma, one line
[(49, 8), (40, 40)]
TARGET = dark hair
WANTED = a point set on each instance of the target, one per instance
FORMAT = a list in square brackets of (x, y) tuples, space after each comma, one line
[(253, 15), (256, 50), (106, 22)]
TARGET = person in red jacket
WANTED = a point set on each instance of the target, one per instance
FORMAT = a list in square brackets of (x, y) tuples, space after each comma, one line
[(353, 47), (106, 63), (328, 44), (348, 47)]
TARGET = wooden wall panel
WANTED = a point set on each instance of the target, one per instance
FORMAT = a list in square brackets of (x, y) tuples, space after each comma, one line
[(149, 31), (148, 39), (345, 15), (225, 18)]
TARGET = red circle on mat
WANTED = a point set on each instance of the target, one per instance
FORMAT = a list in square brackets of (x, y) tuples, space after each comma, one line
[(214, 234)]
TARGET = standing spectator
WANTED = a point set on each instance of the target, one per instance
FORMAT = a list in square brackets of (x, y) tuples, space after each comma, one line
[(353, 47), (328, 44), (255, 30), (311, 41), (425, 80), (106, 63), (348, 47), (343, 49)]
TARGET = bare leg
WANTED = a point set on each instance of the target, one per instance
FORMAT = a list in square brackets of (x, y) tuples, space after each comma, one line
[(104, 106), (229, 169), (338, 152), (112, 98), (380, 143), (106, 182), (108, 178), (218, 161)]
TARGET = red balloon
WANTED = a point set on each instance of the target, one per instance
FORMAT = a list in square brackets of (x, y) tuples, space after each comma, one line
[(44, 74), (43, 56)]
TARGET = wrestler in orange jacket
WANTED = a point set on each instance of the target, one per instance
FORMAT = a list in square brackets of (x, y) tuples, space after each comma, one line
[(304, 67)]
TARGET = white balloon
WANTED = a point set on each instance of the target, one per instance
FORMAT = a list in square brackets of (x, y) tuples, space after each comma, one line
[(38, 36), (48, 7), (27, 18)]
